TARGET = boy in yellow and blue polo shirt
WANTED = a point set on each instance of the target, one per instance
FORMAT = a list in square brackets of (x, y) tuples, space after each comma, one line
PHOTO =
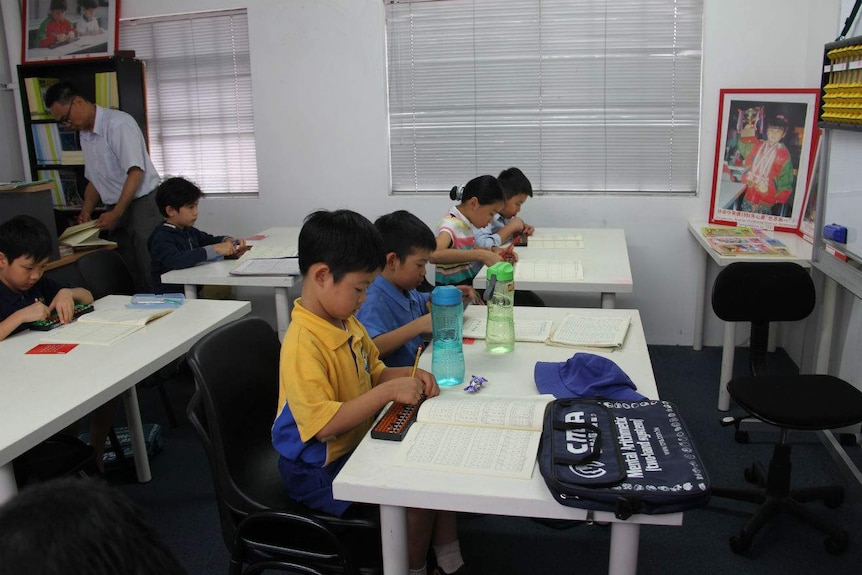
[(332, 382)]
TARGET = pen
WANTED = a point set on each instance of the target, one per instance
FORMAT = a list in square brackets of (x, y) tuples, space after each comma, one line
[(416, 361)]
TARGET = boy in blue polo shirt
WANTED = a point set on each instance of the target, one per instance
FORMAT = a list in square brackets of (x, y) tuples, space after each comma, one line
[(394, 313)]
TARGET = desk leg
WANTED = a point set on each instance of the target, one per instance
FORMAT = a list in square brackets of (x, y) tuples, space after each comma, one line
[(136, 430), (727, 352), (624, 548), (191, 291), (609, 300), (8, 485), (699, 300), (827, 324), (282, 310), (393, 530)]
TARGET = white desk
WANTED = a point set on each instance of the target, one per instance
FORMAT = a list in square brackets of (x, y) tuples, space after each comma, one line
[(369, 476), (43, 394), (801, 251), (604, 258), (218, 273)]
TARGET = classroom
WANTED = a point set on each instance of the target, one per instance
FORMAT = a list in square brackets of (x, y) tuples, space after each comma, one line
[(321, 128)]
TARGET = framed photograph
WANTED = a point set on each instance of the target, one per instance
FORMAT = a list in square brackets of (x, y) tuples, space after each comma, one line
[(763, 153), (69, 29)]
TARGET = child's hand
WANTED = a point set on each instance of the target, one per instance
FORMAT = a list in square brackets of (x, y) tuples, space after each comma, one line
[(490, 256), (241, 247), (429, 383), (64, 305), (469, 295), (409, 390), (425, 323), (226, 248), (36, 311), (528, 230)]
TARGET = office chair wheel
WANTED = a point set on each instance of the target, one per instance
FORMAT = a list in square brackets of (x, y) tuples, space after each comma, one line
[(741, 544), (836, 545), (834, 501), (741, 436)]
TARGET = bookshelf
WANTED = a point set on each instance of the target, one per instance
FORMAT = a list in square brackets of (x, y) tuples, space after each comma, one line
[(53, 151)]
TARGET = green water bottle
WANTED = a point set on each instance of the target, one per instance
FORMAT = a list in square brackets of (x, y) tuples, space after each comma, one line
[(500, 299)]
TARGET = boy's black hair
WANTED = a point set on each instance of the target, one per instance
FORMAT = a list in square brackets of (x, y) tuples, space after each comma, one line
[(74, 525), (24, 235), (484, 188), (57, 5), (514, 182), (176, 193), (403, 233), (62, 93), (85, 4), (343, 240)]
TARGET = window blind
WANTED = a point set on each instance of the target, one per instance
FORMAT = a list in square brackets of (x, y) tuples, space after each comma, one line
[(199, 99), (582, 95)]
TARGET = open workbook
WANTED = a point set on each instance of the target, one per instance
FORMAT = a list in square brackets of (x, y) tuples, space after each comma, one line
[(588, 331), (84, 235), (485, 435), (104, 327), (525, 329)]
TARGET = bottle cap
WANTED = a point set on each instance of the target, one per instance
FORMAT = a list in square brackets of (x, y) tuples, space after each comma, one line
[(445, 295), (503, 271)]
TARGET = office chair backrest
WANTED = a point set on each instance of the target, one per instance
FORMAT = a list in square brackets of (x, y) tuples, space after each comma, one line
[(236, 374), (67, 274), (762, 292), (105, 273)]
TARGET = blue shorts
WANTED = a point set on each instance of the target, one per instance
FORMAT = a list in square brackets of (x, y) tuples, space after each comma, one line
[(312, 486)]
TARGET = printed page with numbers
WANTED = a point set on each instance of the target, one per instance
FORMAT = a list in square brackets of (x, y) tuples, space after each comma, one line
[(478, 435), (585, 331)]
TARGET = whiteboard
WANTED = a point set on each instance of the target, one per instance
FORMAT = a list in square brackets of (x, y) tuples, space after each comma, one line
[(843, 201)]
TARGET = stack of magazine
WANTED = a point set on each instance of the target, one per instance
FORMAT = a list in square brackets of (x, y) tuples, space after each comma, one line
[(744, 241)]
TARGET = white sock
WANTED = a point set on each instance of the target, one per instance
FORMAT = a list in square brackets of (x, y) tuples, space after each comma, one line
[(449, 556), (422, 571)]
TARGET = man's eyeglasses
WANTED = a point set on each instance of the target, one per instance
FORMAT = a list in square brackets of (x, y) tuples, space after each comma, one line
[(64, 121)]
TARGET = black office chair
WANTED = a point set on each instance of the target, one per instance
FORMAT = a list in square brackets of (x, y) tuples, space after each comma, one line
[(233, 408), (761, 292), (106, 273)]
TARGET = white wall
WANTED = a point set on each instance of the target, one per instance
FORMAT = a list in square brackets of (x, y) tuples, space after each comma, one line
[(321, 129)]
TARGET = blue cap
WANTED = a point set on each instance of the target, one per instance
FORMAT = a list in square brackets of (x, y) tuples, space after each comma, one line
[(585, 375), (445, 295)]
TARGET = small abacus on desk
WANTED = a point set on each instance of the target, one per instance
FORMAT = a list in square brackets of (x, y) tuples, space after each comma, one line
[(54, 321)]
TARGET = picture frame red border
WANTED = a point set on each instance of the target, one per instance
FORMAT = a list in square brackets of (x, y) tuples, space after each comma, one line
[(86, 50), (803, 105)]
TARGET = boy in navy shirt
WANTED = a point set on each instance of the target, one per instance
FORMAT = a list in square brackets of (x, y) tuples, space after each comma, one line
[(177, 244)]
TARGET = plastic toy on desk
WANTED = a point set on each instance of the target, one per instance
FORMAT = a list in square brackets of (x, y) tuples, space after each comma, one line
[(476, 383)]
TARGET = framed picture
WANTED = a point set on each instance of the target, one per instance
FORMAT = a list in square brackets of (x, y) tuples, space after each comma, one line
[(69, 29), (764, 145)]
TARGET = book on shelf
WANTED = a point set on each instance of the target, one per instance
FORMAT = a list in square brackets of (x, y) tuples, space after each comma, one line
[(590, 331), (484, 435), (64, 187), (727, 232), (107, 93), (537, 330), (70, 153), (46, 143), (84, 235), (267, 267), (36, 88), (104, 327)]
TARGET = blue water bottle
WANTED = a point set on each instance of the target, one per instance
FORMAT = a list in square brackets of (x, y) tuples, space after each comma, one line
[(447, 353)]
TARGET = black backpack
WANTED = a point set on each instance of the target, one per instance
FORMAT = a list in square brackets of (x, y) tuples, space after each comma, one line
[(624, 457)]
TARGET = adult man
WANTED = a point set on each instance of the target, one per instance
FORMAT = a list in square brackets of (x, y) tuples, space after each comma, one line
[(119, 171)]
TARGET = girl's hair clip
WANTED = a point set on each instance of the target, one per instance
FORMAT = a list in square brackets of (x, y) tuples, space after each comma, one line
[(458, 192)]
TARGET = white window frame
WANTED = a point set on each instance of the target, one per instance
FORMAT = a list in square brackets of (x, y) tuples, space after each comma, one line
[(585, 96), (199, 97)]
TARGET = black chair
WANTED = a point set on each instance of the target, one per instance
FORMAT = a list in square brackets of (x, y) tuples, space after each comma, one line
[(236, 370), (761, 292), (106, 273)]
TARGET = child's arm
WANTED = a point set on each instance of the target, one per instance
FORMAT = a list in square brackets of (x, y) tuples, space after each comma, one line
[(36, 311), (487, 237), (395, 384), (65, 300), (391, 341), (446, 255), (515, 226)]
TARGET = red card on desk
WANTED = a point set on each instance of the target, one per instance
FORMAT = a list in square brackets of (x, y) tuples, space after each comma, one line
[(255, 238), (52, 348)]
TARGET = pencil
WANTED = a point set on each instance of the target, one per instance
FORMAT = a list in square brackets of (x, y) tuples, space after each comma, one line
[(416, 361)]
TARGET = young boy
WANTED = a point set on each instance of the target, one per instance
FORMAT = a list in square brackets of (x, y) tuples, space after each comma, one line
[(25, 294), (394, 313), (56, 28), (88, 25), (506, 224), (333, 382), (177, 244)]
